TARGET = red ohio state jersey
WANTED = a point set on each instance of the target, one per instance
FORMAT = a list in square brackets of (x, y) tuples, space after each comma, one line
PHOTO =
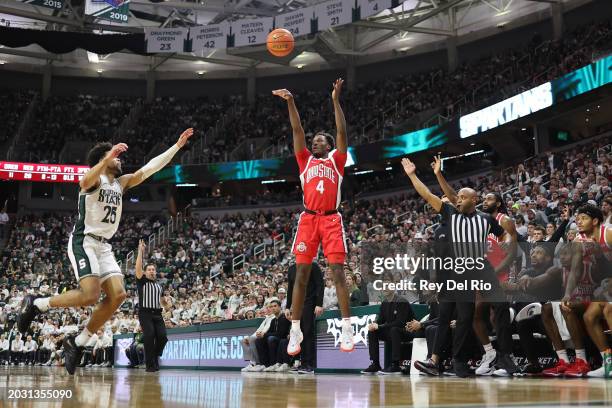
[(321, 179)]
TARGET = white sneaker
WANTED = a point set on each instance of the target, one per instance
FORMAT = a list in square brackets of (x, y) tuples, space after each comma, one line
[(501, 372), (282, 368), (295, 338), (487, 364), (258, 368), (248, 368), (599, 373), (346, 338), (272, 368)]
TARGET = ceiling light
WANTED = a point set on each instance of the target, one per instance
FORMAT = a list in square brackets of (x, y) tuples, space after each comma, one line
[(300, 66), (405, 38), (200, 72), (99, 71), (523, 129), (93, 58), (201, 62), (503, 13), (403, 49), (2, 62)]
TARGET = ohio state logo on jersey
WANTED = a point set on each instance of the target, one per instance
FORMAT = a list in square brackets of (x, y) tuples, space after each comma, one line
[(321, 170)]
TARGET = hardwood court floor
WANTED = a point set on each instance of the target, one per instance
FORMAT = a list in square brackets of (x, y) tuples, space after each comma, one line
[(105, 387)]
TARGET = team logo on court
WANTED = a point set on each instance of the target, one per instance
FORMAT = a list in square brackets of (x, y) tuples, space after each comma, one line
[(360, 328), (301, 247)]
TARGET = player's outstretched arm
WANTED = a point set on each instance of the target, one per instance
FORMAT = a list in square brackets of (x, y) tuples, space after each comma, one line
[(448, 190), (141, 248), (341, 137), (92, 177), (421, 188), (299, 137), (155, 164)]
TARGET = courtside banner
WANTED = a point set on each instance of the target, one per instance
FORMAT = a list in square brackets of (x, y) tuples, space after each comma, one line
[(162, 40), (112, 10)]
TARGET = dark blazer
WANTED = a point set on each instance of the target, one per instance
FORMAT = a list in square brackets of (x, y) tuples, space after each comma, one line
[(394, 313)]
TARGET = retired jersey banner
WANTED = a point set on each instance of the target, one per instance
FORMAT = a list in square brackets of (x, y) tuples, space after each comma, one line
[(298, 22), (250, 32), (208, 37), (159, 40), (369, 8), (52, 4), (334, 13), (112, 10)]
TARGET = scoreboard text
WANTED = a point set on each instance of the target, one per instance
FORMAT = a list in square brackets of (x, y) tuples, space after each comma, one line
[(51, 173)]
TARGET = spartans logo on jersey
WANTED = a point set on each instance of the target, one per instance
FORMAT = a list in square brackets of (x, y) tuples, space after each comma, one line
[(109, 197)]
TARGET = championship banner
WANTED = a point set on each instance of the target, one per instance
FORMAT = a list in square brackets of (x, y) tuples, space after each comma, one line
[(158, 40), (250, 32), (369, 8), (208, 37), (298, 22), (52, 4), (334, 13), (111, 10)]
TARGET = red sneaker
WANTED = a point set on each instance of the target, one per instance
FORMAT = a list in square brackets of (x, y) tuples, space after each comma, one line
[(579, 369), (557, 370)]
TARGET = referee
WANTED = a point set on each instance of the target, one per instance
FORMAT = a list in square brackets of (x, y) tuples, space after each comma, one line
[(150, 302), (468, 230)]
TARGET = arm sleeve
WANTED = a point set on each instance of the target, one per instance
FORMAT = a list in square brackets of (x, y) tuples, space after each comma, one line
[(496, 229), (302, 158), (339, 159), (556, 237)]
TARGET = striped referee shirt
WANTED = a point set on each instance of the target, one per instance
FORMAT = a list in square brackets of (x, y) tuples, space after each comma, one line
[(468, 232), (149, 293)]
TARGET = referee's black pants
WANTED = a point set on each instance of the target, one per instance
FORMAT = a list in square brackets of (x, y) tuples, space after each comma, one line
[(154, 335), (307, 325)]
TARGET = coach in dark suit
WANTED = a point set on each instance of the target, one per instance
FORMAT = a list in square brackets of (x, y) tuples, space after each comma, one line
[(313, 306), (395, 312)]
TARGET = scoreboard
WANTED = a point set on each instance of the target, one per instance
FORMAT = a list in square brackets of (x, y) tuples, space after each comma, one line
[(51, 173)]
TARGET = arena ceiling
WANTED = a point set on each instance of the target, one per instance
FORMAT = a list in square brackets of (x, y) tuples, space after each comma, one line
[(414, 27)]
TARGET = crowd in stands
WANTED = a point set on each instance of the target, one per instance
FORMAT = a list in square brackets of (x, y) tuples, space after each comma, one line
[(497, 76), (82, 118), (207, 279), (13, 105)]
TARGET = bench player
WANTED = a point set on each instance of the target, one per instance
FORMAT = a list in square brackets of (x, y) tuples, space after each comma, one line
[(99, 207), (321, 172)]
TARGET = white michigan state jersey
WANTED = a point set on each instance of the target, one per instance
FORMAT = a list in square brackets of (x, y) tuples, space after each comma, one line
[(100, 210)]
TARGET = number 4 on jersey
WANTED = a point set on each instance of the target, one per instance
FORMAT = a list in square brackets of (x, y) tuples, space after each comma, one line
[(320, 187)]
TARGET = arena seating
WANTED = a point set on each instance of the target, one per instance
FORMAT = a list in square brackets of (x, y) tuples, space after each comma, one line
[(495, 77)]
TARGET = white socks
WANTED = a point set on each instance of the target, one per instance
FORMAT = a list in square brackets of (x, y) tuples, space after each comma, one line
[(488, 348), (295, 325), (581, 353), (82, 338), (562, 354), (42, 304)]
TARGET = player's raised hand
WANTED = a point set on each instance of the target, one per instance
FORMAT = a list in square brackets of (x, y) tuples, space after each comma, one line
[(337, 89), (184, 137), (436, 165), (141, 246), (409, 166), (283, 93), (115, 151)]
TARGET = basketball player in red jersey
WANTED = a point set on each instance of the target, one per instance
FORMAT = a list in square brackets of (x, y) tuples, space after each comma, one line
[(594, 241), (321, 174), (501, 255)]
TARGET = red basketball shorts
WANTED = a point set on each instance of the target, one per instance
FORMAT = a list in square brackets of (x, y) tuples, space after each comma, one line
[(313, 230)]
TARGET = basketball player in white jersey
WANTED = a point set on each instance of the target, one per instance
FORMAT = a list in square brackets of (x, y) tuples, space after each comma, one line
[(99, 208)]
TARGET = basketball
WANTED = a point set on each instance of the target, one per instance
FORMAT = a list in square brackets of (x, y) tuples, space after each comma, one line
[(280, 42)]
